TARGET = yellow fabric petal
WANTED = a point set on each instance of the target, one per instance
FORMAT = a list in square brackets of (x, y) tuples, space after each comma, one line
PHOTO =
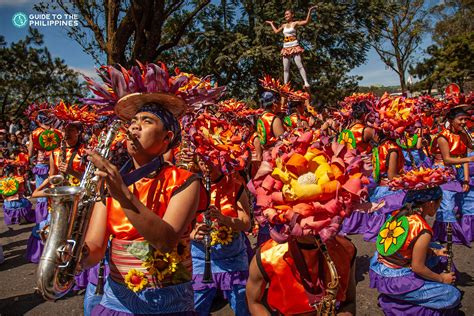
[(392, 225), (387, 243), (398, 231), (384, 232)]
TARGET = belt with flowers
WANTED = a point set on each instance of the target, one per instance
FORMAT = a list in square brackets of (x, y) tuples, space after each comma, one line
[(138, 265)]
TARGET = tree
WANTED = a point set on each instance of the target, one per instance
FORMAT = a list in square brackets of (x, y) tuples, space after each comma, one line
[(244, 48), (402, 36), (128, 30), (450, 58), (29, 74)]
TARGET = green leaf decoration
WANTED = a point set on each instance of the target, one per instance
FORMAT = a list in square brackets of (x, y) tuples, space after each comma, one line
[(392, 235)]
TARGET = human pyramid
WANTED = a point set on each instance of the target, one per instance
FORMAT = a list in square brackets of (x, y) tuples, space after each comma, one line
[(193, 174)]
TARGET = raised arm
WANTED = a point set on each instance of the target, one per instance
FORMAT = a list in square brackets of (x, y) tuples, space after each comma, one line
[(275, 30), (308, 18)]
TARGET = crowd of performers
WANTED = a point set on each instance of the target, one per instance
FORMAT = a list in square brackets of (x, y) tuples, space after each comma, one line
[(192, 174)]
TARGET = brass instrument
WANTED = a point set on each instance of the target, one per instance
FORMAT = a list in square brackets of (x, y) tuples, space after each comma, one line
[(59, 178), (469, 136), (207, 278), (70, 217), (449, 247), (327, 305)]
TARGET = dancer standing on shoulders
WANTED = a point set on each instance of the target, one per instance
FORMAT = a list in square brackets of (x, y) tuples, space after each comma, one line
[(291, 47)]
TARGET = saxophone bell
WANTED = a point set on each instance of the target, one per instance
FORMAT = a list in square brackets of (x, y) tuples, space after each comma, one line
[(57, 179)]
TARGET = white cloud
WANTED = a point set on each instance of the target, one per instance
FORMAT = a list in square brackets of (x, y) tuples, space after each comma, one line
[(89, 72)]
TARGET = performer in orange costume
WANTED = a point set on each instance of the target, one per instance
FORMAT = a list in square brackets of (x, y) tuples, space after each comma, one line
[(149, 215)]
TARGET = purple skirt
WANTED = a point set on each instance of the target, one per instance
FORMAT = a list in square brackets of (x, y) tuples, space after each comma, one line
[(356, 223), (222, 280), (467, 225), (34, 249), (81, 280), (41, 209), (17, 211), (394, 307), (100, 310), (459, 237), (40, 169)]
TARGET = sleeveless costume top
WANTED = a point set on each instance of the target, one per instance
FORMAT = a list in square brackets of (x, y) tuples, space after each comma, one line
[(265, 130), (133, 261), (456, 146), (407, 233), (354, 138), (294, 119), (77, 164), (380, 159), (286, 293)]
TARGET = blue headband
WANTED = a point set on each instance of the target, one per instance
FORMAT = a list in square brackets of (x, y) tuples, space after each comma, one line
[(422, 196), (168, 119)]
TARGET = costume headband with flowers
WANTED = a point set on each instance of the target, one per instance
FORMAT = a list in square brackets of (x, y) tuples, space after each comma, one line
[(73, 114), (395, 115), (421, 179), (306, 187), (127, 90), (221, 142)]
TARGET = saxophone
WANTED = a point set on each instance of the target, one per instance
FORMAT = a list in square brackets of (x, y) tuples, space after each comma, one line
[(70, 216), (327, 305), (59, 178)]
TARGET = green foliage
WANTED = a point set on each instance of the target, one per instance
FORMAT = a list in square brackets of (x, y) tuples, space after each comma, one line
[(402, 36), (245, 48), (29, 74), (450, 59)]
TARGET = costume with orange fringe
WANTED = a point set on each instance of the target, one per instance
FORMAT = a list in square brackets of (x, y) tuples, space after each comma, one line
[(401, 290)]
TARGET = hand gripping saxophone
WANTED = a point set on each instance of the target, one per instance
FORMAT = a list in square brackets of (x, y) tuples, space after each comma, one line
[(70, 216)]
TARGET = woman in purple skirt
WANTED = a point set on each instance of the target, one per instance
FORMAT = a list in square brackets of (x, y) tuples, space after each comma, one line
[(406, 270)]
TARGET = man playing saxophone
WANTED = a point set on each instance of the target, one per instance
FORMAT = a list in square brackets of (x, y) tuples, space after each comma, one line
[(150, 207)]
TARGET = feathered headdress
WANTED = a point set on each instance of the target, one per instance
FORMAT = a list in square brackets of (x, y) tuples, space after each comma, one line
[(221, 142), (69, 114), (127, 90), (34, 109), (306, 187), (421, 179), (285, 90)]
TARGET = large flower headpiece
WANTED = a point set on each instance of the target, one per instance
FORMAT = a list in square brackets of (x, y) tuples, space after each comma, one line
[(127, 90), (305, 187), (421, 179), (221, 142), (345, 113), (34, 109), (395, 115), (69, 114)]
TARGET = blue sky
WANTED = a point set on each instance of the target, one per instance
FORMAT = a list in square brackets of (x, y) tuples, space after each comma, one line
[(60, 45)]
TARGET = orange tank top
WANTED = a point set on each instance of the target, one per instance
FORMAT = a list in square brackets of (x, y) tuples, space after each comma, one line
[(286, 293), (361, 145), (456, 146), (402, 258), (225, 193), (380, 156), (265, 130)]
